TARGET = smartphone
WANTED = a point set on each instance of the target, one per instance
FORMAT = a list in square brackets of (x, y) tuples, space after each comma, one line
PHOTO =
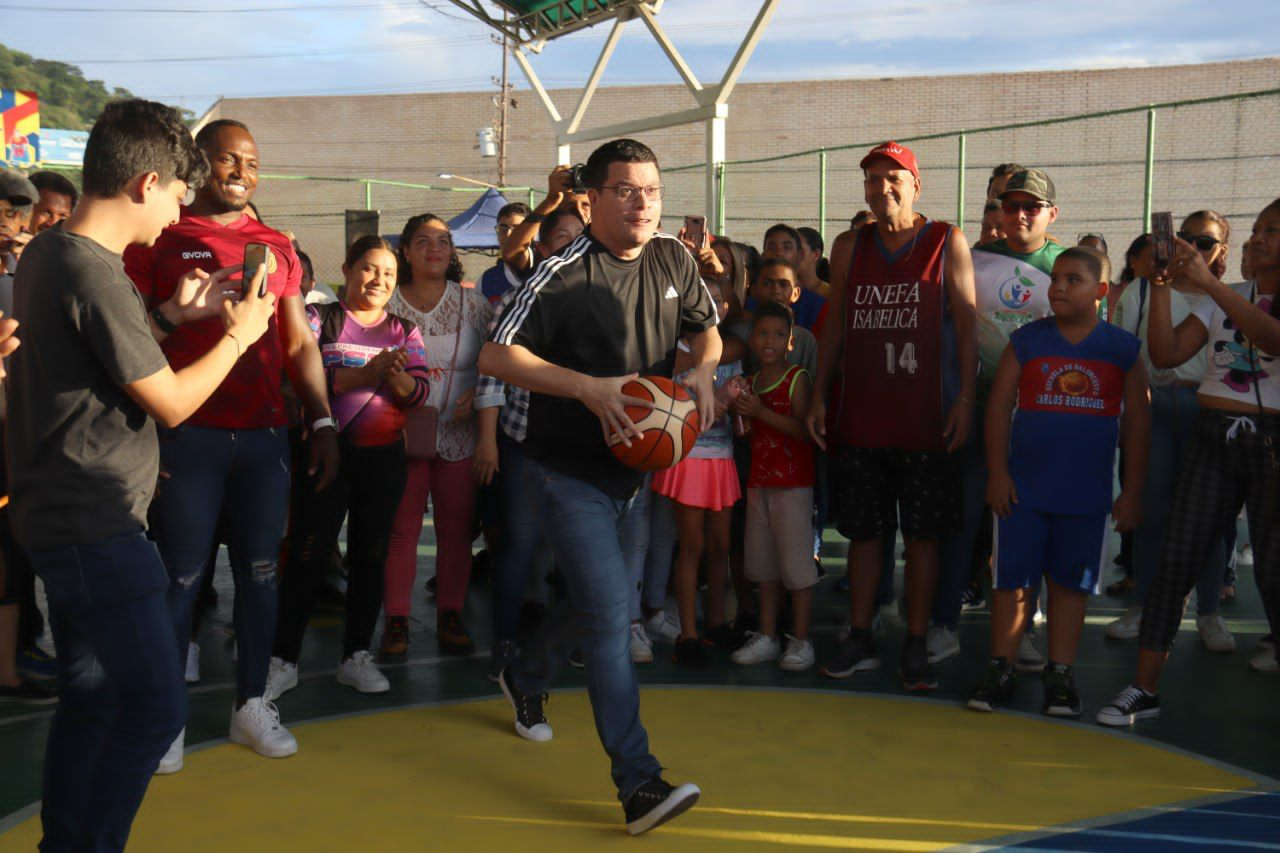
[(255, 255), (1162, 239), (695, 229)]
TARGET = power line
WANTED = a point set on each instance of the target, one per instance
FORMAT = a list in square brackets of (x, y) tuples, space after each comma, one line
[(456, 41), (155, 10)]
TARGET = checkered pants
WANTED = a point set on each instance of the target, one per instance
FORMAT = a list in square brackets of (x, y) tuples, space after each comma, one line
[(1218, 475)]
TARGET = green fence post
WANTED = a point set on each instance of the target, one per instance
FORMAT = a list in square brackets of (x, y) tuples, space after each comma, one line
[(1151, 169), (822, 193), (530, 202), (368, 196), (960, 183)]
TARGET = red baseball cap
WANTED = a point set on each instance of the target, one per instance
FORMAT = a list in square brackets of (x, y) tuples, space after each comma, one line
[(900, 154)]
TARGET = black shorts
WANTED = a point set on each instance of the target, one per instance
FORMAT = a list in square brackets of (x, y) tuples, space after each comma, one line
[(880, 489)]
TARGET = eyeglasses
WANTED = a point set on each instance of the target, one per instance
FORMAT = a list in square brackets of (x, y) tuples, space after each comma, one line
[(1030, 208), (504, 228), (626, 192), (1203, 242)]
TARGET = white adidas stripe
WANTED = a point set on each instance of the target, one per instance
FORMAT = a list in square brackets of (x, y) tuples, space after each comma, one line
[(520, 307)]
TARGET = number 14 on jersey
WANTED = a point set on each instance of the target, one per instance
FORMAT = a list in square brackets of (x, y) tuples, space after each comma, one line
[(906, 360)]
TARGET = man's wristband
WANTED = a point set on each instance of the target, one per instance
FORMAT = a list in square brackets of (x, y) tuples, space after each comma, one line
[(163, 323), (322, 423)]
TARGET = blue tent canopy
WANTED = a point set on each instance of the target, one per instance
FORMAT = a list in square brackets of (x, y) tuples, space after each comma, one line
[(474, 227)]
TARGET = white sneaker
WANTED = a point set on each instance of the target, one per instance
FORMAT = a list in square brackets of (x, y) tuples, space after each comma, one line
[(641, 646), (1029, 657), (662, 627), (1128, 625), (192, 674), (172, 761), (1244, 556), (359, 671), (1264, 661), (757, 649), (798, 657), (282, 677), (943, 644), (1214, 633), (257, 726)]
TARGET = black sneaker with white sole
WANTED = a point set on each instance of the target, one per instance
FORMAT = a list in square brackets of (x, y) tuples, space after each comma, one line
[(856, 654), (996, 688), (1061, 698), (531, 722), (656, 802), (914, 667), (1130, 705)]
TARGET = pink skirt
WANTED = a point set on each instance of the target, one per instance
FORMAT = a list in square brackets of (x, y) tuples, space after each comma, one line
[(705, 483)]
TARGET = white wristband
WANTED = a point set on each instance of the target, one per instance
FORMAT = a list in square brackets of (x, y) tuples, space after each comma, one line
[(321, 423)]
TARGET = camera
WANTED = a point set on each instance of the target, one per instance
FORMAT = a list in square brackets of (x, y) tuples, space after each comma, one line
[(576, 173)]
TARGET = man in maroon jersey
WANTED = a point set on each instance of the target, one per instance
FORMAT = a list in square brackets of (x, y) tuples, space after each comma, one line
[(231, 458), (902, 313)]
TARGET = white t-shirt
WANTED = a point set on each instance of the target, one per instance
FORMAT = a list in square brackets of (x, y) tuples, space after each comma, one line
[(1133, 313), (1231, 369)]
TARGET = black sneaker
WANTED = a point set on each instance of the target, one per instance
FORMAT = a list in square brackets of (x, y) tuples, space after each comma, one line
[(972, 598), (692, 653), (576, 660), (914, 667), (1130, 705), (719, 636), (996, 688), (744, 623), (1061, 699), (656, 802), (531, 722), (29, 693), (856, 654)]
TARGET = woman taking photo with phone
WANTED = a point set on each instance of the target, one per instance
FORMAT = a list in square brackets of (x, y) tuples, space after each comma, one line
[(1233, 455), (375, 368), (454, 323)]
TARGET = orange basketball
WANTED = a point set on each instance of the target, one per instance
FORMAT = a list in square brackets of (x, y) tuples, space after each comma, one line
[(668, 430)]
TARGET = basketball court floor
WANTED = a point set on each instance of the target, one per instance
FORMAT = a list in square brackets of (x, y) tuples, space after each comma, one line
[(786, 761)]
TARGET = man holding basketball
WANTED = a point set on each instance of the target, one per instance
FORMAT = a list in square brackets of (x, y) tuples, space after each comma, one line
[(902, 314), (610, 306)]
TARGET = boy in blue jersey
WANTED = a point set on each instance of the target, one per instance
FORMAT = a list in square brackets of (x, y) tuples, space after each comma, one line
[(1078, 386)]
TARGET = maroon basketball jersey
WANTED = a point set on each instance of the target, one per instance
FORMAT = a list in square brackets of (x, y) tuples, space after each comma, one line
[(893, 342)]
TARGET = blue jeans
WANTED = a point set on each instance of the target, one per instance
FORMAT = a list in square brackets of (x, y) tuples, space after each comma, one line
[(955, 552), (1173, 416), (244, 475), (122, 700), (585, 528), (522, 550)]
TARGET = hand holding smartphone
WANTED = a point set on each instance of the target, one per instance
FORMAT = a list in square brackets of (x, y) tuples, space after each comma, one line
[(1162, 240), (695, 231), (256, 255)]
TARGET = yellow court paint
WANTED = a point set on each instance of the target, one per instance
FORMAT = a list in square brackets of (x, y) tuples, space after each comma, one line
[(780, 770)]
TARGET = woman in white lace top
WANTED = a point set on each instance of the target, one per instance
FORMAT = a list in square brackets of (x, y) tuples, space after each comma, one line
[(448, 316)]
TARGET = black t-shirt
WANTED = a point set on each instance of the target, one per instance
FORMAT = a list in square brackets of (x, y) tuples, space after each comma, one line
[(83, 458), (589, 311)]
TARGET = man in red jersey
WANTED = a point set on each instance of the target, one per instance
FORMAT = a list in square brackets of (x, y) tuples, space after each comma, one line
[(902, 313), (231, 458)]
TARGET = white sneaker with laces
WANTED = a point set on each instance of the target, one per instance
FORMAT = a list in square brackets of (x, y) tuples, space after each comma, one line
[(282, 677), (1214, 633), (257, 725), (1264, 660), (662, 627), (1029, 657), (172, 761), (1244, 556), (641, 646), (360, 671), (798, 656), (192, 675), (942, 643), (1128, 625), (757, 649)]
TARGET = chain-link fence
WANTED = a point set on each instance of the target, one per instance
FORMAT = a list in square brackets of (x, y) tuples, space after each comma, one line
[(1111, 168)]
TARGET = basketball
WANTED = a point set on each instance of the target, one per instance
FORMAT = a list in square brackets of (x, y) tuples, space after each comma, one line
[(668, 430)]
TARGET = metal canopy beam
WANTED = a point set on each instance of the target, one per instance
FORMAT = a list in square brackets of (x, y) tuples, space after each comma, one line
[(544, 21)]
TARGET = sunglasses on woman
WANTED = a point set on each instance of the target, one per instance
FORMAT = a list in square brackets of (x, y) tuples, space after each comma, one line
[(1203, 242)]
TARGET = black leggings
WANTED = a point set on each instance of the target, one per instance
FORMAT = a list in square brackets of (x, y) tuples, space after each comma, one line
[(367, 492)]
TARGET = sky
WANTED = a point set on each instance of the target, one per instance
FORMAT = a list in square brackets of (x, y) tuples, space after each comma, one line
[(189, 54)]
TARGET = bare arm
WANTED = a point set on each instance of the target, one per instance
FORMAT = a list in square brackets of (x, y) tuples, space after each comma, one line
[(1001, 494), (1169, 346), (793, 425), (1257, 325), (306, 374), (706, 348), (1135, 438), (515, 249), (964, 318), (832, 339)]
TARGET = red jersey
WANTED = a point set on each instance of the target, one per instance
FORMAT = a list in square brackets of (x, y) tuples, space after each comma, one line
[(251, 396), (778, 461), (893, 318)]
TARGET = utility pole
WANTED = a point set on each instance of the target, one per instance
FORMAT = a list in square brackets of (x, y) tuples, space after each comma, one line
[(502, 110)]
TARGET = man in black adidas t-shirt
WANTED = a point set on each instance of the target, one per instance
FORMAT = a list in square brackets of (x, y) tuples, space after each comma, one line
[(608, 307)]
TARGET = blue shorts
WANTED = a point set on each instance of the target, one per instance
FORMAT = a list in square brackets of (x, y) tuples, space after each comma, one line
[(1069, 549)]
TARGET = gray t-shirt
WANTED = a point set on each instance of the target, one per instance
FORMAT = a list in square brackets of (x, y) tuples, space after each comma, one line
[(83, 458)]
